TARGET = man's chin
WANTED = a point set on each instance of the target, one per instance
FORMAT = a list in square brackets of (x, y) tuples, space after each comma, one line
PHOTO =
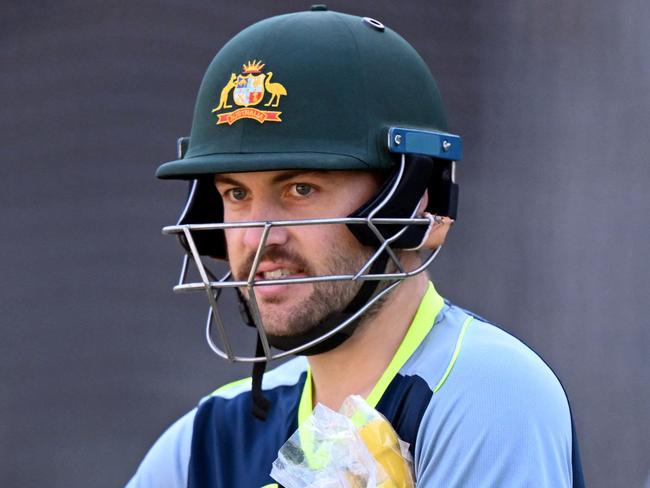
[(281, 327), (287, 324)]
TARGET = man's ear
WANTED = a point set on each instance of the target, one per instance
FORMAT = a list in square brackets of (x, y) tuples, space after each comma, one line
[(438, 233), (439, 227), (424, 201)]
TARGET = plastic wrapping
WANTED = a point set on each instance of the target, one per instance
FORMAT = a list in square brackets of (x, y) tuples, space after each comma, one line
[(353, 448)]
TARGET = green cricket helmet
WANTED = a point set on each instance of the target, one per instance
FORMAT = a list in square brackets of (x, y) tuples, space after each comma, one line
[(316, 90)]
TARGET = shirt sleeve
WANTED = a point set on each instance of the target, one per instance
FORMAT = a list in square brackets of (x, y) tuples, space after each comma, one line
[(501, 418), (166, 464)]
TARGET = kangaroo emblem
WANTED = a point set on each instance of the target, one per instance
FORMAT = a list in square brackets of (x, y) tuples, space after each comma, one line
[(223, 100)]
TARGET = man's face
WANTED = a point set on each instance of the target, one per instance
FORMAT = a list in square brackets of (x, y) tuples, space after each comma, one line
[(297, 251)]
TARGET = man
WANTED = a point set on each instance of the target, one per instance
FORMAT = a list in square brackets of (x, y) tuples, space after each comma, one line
[(328, 191)]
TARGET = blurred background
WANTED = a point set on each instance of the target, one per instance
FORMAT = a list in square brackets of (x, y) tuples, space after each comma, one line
[(98, 356)]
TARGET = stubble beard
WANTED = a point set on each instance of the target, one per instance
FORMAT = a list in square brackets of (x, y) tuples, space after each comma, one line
[(326, 297)]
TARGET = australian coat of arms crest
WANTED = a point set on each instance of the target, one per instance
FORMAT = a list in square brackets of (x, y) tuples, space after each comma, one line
[(248, 90)]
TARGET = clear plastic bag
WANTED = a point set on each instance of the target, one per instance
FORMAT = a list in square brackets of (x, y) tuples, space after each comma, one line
[(354, 448), (387, 449)]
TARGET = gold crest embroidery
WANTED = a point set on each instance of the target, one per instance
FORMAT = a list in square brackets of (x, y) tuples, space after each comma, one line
[(248, 90)]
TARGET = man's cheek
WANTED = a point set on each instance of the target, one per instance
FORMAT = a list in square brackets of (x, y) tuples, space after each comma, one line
[(230, 236)]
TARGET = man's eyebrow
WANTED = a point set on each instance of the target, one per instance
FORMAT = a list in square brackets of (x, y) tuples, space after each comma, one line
[(299, 172), (279, 178), (226, 180)]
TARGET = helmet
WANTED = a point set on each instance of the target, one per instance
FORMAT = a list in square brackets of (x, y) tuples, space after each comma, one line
[(315, 90)]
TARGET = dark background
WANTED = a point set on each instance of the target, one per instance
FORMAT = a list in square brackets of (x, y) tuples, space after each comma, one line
[(98, 356)]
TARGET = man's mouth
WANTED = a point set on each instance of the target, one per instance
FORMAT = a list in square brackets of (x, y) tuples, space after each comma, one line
[(270, 273), (278, 273)]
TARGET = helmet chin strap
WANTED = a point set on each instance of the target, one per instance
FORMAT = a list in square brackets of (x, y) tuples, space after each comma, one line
[(261, 404)]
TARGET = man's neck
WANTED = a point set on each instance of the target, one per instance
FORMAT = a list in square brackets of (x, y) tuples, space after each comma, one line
[(355, 366)]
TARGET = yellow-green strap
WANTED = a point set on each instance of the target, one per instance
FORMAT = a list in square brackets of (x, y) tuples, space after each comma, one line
[(425, 317), (459, 343), (305, 406)]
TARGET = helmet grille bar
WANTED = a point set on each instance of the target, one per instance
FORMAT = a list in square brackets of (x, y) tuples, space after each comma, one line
[(185, 267), (208, 289), (257, 316), (385, 242)]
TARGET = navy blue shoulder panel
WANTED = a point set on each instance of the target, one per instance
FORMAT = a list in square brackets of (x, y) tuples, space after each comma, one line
[(230, 447), (403, 404), (576, 462)]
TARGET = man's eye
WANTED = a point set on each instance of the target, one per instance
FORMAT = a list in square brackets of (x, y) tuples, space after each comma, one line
[(236, 193), (302, 189)]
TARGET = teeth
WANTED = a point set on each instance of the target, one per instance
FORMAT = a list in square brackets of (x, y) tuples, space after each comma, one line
[(275, 274)]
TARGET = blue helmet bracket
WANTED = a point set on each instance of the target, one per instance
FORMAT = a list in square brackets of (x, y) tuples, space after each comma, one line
[(444, 149), (436, 144)]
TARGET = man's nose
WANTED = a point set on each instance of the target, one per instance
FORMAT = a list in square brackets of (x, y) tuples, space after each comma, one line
[(276, 235)]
